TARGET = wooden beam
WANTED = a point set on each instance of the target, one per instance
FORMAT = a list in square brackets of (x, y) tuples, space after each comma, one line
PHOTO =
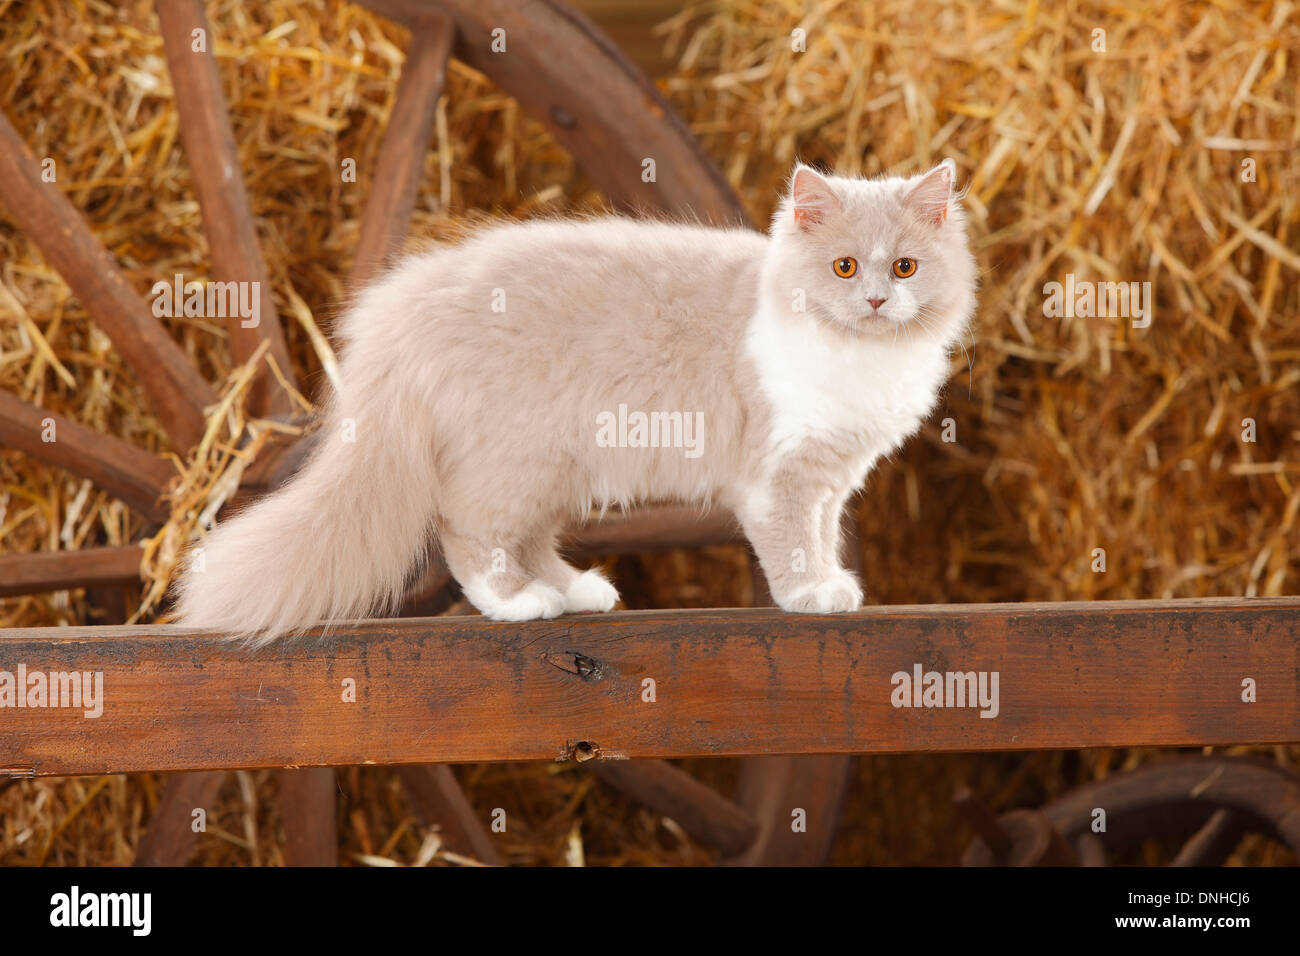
[(437, 798), (594, 100), (758, 681), (177, 393), (124, 471), (170, 838), (405, 144), (308, 803), (671, 792), (39, 571), (233, 244)]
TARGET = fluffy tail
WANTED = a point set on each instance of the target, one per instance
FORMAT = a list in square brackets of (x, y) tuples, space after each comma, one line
[(340, 540)]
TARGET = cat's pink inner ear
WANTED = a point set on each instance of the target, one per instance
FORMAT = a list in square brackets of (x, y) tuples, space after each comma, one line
[(813, 198), (929, 197)]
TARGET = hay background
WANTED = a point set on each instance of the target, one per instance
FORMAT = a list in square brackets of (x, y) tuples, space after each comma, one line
[(1072, 434)]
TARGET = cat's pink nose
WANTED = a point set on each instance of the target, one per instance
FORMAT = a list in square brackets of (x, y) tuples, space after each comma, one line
[(876, 303)]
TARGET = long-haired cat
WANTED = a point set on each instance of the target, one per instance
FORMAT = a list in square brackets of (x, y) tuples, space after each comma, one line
[(492, 392)]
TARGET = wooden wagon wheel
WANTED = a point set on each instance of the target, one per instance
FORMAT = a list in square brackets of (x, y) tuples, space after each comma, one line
[(560, 59), (1209, 802)]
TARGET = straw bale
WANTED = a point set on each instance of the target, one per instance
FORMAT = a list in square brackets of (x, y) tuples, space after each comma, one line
[(1071, 434)]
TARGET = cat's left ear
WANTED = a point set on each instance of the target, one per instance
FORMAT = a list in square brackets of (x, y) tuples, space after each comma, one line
[(930, 195)]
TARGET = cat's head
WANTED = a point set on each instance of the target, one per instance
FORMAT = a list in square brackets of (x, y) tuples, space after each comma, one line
[(873, 256)]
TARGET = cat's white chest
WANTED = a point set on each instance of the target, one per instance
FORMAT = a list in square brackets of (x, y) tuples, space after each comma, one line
[(871, 395)]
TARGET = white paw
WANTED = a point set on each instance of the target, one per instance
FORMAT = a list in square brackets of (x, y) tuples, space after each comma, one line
[(533, 601), (590, 592), (835, 595)]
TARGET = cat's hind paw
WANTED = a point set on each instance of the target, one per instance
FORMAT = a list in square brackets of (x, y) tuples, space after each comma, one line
[(590, 592), (835, 595)]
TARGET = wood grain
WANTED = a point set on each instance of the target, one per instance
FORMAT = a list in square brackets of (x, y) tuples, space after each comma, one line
[(461, 689)]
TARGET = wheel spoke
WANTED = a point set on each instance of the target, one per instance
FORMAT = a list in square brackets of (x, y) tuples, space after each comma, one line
[(1090, 850), (1213, 842), (703, 813), (40, 571), (984, 821), (773, 788), (438, 799), (596, 102), (405, 144), (176, 391), (228, 222), (170, 839), (308, 813), (662, 528), (124, 471)]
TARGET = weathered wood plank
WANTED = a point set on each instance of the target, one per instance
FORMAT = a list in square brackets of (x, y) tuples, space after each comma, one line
[(124, 471), (405, 144), (177, 393), (462, 689), (209, 142), (40, 571)]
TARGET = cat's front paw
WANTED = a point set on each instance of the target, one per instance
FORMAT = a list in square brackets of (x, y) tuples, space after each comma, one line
[(590, 592), (835, 595)]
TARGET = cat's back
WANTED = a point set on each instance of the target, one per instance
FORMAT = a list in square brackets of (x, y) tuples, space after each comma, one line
[(613, 256), (618, 237), (583, 284)]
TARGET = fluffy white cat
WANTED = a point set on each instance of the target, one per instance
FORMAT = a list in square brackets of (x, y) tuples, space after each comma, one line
[(492, 392)]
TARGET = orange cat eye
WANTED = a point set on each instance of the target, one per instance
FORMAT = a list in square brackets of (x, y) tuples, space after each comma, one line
[(845, 267), (904, 267)]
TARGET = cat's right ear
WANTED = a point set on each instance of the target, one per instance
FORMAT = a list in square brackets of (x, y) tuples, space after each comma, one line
[(811, 197)]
